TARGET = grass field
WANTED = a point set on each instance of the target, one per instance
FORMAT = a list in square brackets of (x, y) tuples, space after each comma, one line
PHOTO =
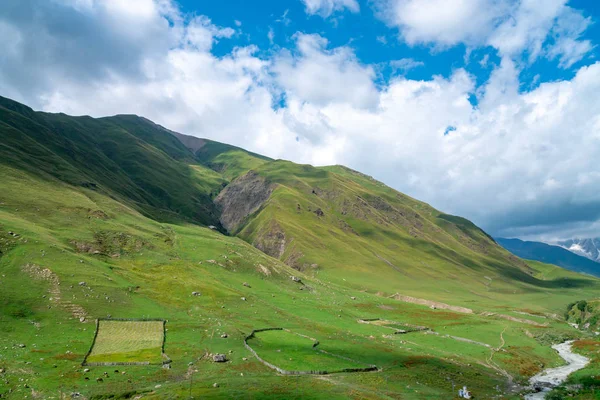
[(128, 341), (139, 258), (293, 352)]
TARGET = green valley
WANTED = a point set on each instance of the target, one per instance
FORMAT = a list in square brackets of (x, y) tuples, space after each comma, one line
[(120, 218)]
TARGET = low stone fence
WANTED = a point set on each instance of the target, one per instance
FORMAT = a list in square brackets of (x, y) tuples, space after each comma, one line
[(315, 344)]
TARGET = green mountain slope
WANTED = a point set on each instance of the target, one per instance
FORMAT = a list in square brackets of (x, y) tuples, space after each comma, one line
[(105, 217), (346, 227), (127, 157)]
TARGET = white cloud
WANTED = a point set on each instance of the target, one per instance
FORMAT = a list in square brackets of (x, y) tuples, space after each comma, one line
[(520, 162), (323, 76), (271, 35), (325, 8), (444, 22), (512, 27), (406, 64)]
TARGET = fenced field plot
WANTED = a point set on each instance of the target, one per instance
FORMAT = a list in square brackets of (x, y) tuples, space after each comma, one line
[(293, 352), (128, 342)]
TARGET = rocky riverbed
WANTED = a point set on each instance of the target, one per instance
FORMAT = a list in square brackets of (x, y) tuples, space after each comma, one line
[(552, 377)]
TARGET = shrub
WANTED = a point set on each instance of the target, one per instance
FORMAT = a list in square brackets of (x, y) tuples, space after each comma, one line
[(581, 305)]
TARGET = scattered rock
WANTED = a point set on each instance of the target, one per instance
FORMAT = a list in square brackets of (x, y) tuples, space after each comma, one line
[(212, 227), (353, 298), (246, 284), (296, 279), (21, 345), (319, 212), (215, 385), (86, 370), (243, 299), (82, 319), (219, 358), (195, 293), (157, 386), (244, 359), (99, 380), (224, 336), (82, 284), (432, 307)]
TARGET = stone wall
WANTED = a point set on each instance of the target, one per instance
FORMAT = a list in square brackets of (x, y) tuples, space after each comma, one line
[(316, 343)]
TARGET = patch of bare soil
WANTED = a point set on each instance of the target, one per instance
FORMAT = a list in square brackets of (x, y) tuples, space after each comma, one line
[(515, 319), (432, 304), (39, 273)]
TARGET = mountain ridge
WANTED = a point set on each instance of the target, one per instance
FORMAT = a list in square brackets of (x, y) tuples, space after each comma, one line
[(551, 254)]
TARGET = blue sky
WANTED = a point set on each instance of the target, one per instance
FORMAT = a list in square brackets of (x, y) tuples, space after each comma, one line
[(373, 40), (488, 109)]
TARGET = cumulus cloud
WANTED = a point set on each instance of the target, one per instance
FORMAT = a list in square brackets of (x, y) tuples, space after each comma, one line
[(519, 163), (512, 27), (322, 76), (325, 8)]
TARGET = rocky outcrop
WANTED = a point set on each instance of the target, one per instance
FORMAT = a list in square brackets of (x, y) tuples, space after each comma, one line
[(242, 197)]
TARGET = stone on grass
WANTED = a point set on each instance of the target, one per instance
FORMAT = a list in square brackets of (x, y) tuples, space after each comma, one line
[(219, 358), (224, 336), (215, 385)]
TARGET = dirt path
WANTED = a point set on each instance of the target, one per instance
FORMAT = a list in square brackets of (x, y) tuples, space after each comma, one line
[(492, 364)]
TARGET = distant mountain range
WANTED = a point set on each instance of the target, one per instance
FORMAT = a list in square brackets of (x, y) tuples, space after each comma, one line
[(550, 254), (588, 248)]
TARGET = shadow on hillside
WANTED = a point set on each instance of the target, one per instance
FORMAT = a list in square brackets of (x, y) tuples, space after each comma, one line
[(510, 272)]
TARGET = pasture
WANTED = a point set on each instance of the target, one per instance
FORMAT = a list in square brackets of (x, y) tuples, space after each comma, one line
[(127, 342), (293, 352)]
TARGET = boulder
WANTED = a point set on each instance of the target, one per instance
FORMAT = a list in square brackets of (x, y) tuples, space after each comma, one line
[(224, 336), (296, 279), (195, 293), (219, 358), (243, 299)]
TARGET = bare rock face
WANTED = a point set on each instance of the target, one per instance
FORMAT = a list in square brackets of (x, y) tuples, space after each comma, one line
[(242, 197)]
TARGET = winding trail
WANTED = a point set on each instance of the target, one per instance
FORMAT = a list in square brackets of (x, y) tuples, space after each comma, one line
[(493, 365), (552, 377)]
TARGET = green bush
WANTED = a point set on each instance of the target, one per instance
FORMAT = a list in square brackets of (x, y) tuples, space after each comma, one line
[(581, 305)]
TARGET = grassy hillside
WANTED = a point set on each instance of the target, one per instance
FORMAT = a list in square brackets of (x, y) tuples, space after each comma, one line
[(345, 227), (126, 157), (102, 218)]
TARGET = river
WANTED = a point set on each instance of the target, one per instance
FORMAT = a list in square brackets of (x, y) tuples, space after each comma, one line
[(552, 377)]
